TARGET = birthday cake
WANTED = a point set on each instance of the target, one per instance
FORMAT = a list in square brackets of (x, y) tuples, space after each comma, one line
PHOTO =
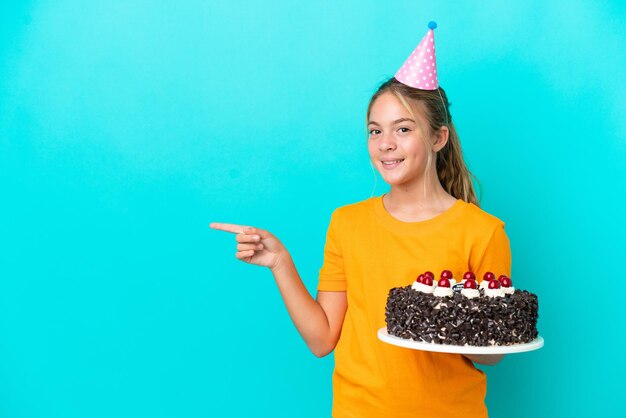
[(492, 313)]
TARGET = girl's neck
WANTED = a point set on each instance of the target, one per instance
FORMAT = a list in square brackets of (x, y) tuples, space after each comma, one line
[(414, 204)]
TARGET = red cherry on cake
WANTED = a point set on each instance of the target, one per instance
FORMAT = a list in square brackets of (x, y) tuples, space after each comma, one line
[(489, 276), (470, 284), (420, 278), (494, 284), (428, 281), (430, 274), (469, 276), (443, 283), (505, 281), (446, 274)]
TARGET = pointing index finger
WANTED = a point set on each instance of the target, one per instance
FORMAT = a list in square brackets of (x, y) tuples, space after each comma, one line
[(235, 229)]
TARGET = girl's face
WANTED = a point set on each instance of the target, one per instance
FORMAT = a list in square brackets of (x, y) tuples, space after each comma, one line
[(395, 135)]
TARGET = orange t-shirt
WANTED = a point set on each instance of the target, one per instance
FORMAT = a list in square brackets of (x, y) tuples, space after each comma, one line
[(367, 253)]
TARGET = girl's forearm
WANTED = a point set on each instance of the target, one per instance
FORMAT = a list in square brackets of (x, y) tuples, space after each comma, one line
[(306, 313), (486, 359)]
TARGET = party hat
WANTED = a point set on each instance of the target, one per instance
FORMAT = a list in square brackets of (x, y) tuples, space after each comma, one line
[(420, 69)]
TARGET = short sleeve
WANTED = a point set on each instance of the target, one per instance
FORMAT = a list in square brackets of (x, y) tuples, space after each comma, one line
[(332, 275), (496, 256)]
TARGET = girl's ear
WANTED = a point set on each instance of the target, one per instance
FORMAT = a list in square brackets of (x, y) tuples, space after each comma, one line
[(441, 138)]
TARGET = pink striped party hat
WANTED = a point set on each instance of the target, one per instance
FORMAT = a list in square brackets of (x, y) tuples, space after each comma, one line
[(420, 69)]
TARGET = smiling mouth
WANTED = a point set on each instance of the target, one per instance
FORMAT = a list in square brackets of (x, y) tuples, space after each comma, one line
[(391, 164)]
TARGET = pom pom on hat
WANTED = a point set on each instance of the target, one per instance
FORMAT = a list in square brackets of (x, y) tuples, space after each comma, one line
[(420, 69)]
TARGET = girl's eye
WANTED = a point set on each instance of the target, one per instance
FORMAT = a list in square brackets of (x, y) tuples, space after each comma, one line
[(405, 130), (374, 132)]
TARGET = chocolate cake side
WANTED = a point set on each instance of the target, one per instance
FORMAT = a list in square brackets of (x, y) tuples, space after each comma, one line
[(457, 320)]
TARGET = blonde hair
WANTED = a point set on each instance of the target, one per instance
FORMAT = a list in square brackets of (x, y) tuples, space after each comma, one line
[(451, 169)]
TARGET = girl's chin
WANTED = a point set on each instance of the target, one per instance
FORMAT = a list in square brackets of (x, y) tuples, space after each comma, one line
[(394, 180), (395, 173), (397, 179)]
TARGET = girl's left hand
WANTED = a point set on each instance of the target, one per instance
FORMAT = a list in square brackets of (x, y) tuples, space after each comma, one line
[(485, 359)]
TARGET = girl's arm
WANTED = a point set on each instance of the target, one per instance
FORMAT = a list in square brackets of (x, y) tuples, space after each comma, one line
[(318, 321), (486, 359)]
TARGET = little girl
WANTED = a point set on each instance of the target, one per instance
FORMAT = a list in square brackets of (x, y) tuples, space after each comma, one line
[(429, 220)]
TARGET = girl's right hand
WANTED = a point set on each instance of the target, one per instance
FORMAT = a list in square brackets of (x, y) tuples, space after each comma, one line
[(255, 246)]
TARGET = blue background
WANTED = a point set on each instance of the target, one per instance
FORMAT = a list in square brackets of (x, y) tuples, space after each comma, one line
[(126, 127)]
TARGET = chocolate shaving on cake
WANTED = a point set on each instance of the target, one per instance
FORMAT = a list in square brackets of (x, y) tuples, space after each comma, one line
[(457, 320)]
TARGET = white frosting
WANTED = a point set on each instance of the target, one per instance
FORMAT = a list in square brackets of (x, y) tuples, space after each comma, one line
[(509, 290), (493, 293), (484, 284), (470, 293), (443, 292), (421, 287), (452, 283)]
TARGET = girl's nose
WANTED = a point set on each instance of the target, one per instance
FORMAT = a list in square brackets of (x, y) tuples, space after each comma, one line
[(387, 142)]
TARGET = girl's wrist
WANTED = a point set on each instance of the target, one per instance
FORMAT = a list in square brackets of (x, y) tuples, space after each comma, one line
[(485, 359), (283, 259)]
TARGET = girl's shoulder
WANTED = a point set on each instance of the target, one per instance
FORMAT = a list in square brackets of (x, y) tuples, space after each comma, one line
[(351, 214), (354, 209), (480, 217)]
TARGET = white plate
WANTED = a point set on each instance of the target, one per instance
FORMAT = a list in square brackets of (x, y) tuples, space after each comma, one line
[(535, 344)]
